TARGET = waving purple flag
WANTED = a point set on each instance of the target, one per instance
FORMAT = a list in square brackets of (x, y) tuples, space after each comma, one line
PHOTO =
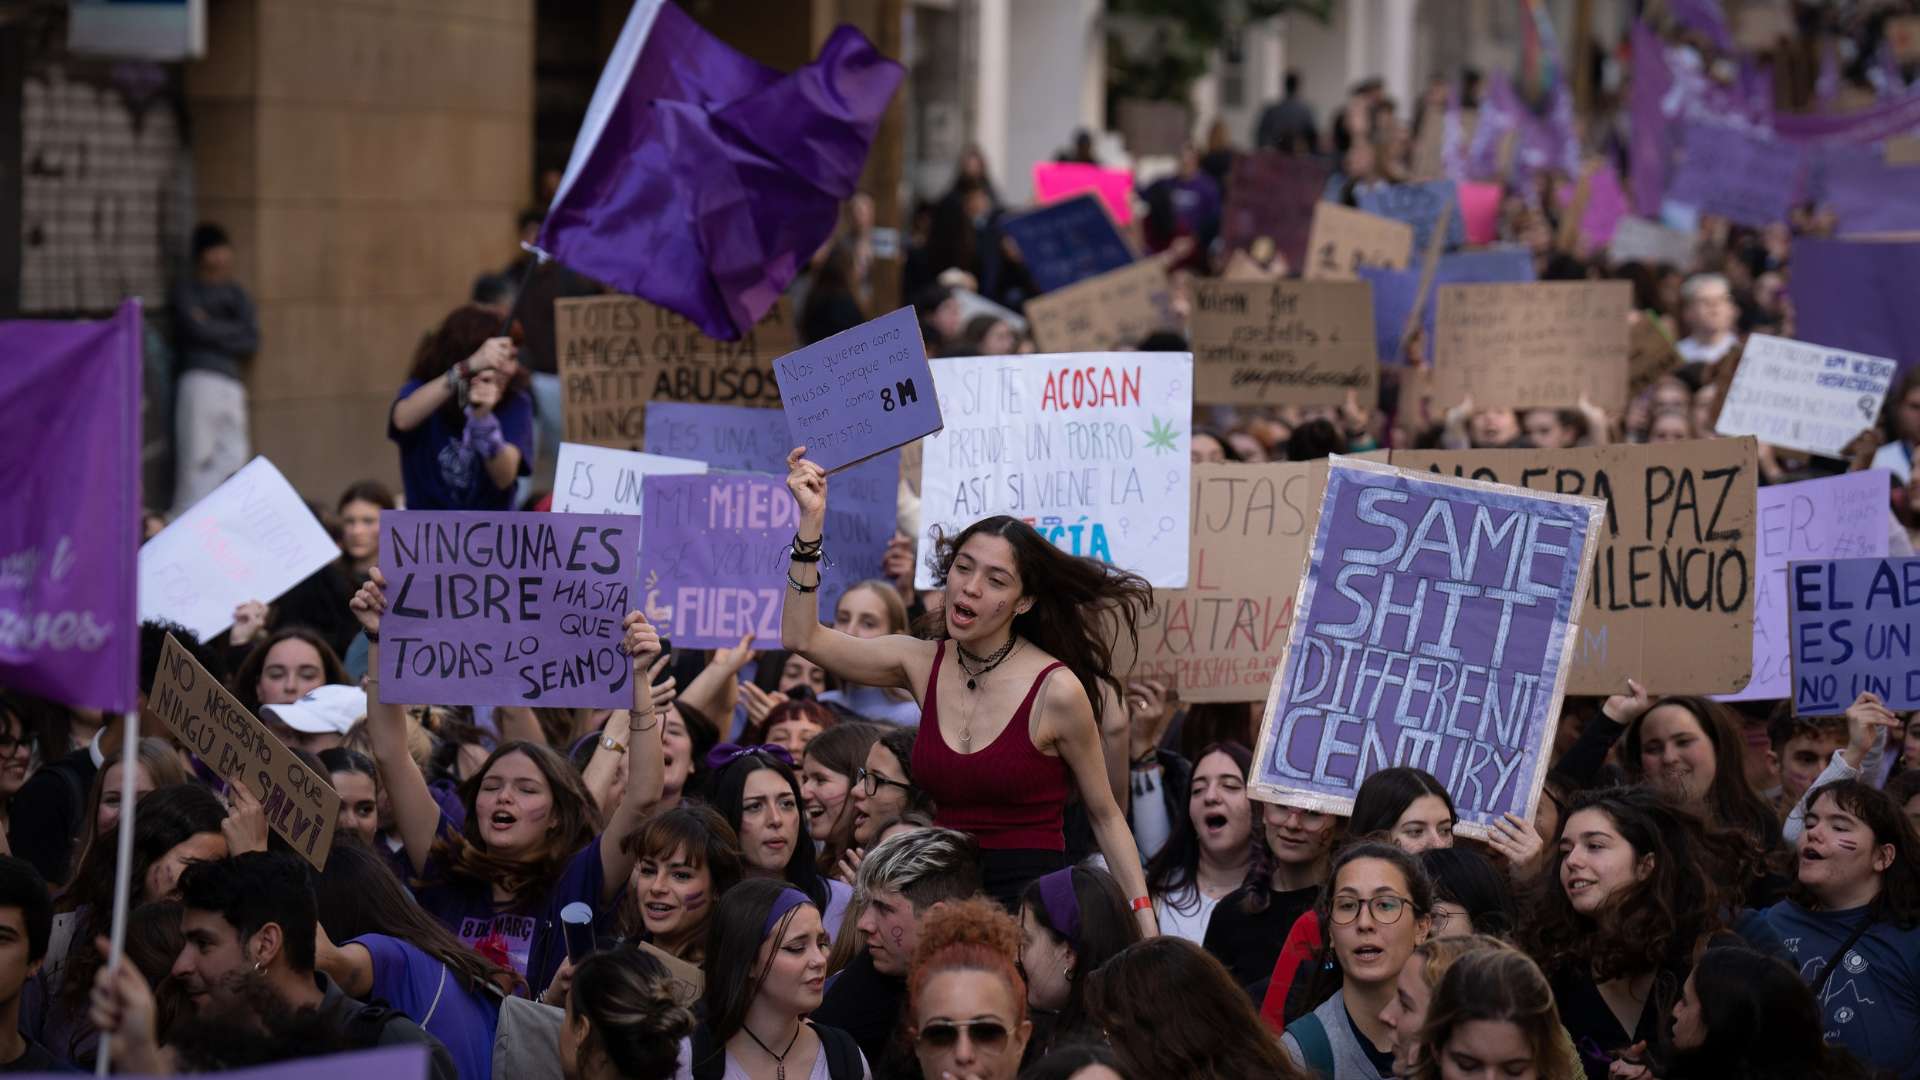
[(701, 180), (70, 405)]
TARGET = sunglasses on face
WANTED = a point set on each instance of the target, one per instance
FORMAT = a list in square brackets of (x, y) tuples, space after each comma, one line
[(989, 1036)]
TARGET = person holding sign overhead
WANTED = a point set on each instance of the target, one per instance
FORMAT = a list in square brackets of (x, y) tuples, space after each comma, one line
[(529, 845), (1011, 712)]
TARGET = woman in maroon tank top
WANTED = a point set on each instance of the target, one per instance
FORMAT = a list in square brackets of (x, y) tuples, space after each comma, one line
[(1010, 691)]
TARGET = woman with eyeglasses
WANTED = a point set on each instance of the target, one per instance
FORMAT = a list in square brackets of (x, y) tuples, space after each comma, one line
[(1379, 907), (883, 790), (756, 791), (828, 769), (966, 1001), (1283, 880), (1470, 895), (766, 970)]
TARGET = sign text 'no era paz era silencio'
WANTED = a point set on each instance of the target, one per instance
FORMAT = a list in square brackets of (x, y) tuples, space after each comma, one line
[(1434, 628)]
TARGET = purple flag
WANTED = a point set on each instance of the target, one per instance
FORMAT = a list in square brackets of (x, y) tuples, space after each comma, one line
[(70, 405), (703, 181), (1857, 295), (1541, 142)]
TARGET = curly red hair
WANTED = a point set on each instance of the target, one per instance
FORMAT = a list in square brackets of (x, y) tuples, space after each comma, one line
[(968, 935)]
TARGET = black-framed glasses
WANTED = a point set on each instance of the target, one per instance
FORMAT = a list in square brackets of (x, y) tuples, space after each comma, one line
[(1387, 908), (13, 744), (987, 1035), (873, 781)]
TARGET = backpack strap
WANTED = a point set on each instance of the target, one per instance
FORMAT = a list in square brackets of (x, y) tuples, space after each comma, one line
[(843, 1054), (1317, 1050)]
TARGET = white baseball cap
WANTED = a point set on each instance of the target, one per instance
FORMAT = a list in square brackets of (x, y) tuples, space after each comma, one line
[(332, 709)]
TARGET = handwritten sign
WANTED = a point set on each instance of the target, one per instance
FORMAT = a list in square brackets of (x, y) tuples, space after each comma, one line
[(1283, 342), (861, 392), (1804, 397), (1435, 628), (1220, 638), (1747, 177), (1091, 449), (1273, 195), (253, 538), (1672, 599), (1067, 242), (1639, 240), (1834, 517), (1118, 309), (713, 556), (506, 608), (1420, 206), (213, 726), (1343, 241), (1854, 623), (617, 353), (596, 480), (1057, 180), (736, 437), (1541, 343)]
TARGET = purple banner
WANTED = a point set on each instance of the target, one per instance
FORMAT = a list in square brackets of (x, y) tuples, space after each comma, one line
[(1434, 629), (1857, 295), (861, 392), (713, 560), (1745, 176), (1866, 194), (1855, 623), (506, 608), (70, 405)]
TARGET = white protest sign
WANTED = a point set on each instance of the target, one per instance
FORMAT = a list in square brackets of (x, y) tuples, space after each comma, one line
[(1089, 448), (599, 480), (1639, 240), (1804, 397), (253, 538)]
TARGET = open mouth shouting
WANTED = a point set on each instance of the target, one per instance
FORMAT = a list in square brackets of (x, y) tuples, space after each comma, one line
[(501, 822), (961, 615)]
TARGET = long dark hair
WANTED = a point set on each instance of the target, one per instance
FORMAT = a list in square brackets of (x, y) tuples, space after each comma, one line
[(1175, 866), (704, 838), (729, 792), (1730, 799), (1898, 901), (1072, 597), (734, 973), (1172, 1010), (1386, 794), (1106, 927), (358, 895), (162, 763), (246, 681), (1762, 1023), (633, 1013), (1322, 977), (1466, 877), (842, 750), (1653, 925), (577, 822)]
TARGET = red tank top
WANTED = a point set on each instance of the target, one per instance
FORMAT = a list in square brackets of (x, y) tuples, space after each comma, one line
[(1008, 794)]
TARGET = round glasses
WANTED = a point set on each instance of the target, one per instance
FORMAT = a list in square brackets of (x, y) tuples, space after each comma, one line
[(1387, 908), (873, 781)]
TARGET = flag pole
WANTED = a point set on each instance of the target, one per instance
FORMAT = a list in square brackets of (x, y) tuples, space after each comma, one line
[(520, 287), (122, 867)]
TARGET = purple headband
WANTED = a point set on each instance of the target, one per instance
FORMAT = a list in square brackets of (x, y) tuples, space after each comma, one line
[(788, 899), (1063, 907), (727, 753)]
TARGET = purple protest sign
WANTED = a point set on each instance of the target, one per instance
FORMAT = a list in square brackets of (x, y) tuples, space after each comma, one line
[(1866, 194), (1746, 176), (70, 405), (506, 608), (1421, 206), (1834, 517), (1434, 628), (1857, 295), (713, 556), (1854, 624), (1395, 292), (861, 392)]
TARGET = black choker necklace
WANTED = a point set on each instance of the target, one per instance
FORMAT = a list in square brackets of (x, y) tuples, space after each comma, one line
[(984, 664)]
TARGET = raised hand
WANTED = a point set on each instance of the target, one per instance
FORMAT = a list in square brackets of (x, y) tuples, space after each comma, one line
[(248, 620), (1624, 709), (245, 826), (808, 482), (370, 603)]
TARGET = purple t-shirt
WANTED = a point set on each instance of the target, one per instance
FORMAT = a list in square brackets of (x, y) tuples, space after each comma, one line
[(441, 472), (525, 936), (435, 997)]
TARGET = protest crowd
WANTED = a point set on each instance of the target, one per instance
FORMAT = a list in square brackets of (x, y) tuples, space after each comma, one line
[(1519, 682)]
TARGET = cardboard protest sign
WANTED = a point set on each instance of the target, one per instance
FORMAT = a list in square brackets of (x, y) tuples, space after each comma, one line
[(506, 608), (861, 392), (1649, 355), (1834, 517), (1057, 180), (1344, 240), (252, 539), (1068, 242), (1420, 206), (1115, 310), (1639, 240), (1747, 177), (1804, 397), (212, 724), (1903, 150), (1244, 267), (1092, 449), (617, 353), (1672, 599), (1541, 343), (596, 480), (1283, 342), (1219, 638), (1434, 628), (1855, 295), (1273, 195), (1854, 624)]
